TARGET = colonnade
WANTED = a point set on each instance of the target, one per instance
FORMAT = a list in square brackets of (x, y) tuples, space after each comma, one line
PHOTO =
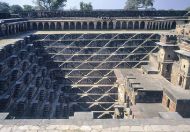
[(13, 28), (103, 25)]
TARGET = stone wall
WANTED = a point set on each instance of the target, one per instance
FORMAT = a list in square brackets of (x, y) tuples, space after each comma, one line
[(103, 13), (183, 107), (148, 96), (172, 105), (175, 73), (4, 15), (147, 125)]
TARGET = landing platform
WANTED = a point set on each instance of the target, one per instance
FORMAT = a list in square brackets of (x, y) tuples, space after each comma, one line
[(12, 39), (103, 31), (110, 125)]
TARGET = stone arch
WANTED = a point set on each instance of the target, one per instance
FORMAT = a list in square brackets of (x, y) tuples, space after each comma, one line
[(66, 25), (118, 25), (25, 26), (157, 26), (130, 25), (34, 26), (162, 26), (84, 25), (124, 25), (28, 25), (136, 25), (10, 29), (72, 25), (99, 25), (110, 25), (17, 28), (150, 26), (52, 26), (40, 26), (105, 25), (169, 25), (173, 26), (142, 25), (58, 26), (20, 27), (78, 25), (91, 25), (154, 26), (46, 26)]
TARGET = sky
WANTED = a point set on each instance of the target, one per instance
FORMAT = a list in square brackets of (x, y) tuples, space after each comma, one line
[(114, 4)]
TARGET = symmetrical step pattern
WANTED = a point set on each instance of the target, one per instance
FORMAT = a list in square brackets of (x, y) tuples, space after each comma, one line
[(57, 75)]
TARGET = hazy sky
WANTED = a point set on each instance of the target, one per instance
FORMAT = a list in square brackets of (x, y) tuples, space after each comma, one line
[(114, 4)]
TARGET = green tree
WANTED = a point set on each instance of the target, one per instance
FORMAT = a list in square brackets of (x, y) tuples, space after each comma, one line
[(4, 7), (147, 3), (131, 5), (16, 9), (86, 6), (188, 9), (50, 4), (136, 4), (28, 8)]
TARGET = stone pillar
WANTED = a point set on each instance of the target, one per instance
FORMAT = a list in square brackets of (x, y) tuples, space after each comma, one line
[(101, 25), (62, 25), (49, 23), (43, 25), (7, 29), (133, 25), (75, 24), (87, 25), (139, 24), (95, 25), (146, 25), (55, 23), (2, 29), (127, 22), (158, 25), (69, 24), (114, 24), (31, 26)]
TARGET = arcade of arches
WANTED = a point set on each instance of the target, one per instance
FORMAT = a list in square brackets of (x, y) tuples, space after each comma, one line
[(133, 25), (17, 27)]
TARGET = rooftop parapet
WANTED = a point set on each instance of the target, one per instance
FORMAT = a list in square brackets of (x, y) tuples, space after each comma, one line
[(168, 39)]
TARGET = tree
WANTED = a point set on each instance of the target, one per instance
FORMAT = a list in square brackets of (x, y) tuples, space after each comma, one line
[(16, 9), (4, 7), (28, 8), (50, 4), (188, 9), (147, 3), (131, 5), (86, 6), (136, 4)]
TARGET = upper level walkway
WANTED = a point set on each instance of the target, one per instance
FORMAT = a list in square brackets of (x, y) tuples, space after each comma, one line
[(90, 125)]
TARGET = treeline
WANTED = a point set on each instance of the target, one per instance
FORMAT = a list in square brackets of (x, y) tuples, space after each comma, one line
[(41, 5), (6, 8)]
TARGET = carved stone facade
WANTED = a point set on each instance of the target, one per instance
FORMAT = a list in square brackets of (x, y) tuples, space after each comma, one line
[(142, 86), (58, 75)]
